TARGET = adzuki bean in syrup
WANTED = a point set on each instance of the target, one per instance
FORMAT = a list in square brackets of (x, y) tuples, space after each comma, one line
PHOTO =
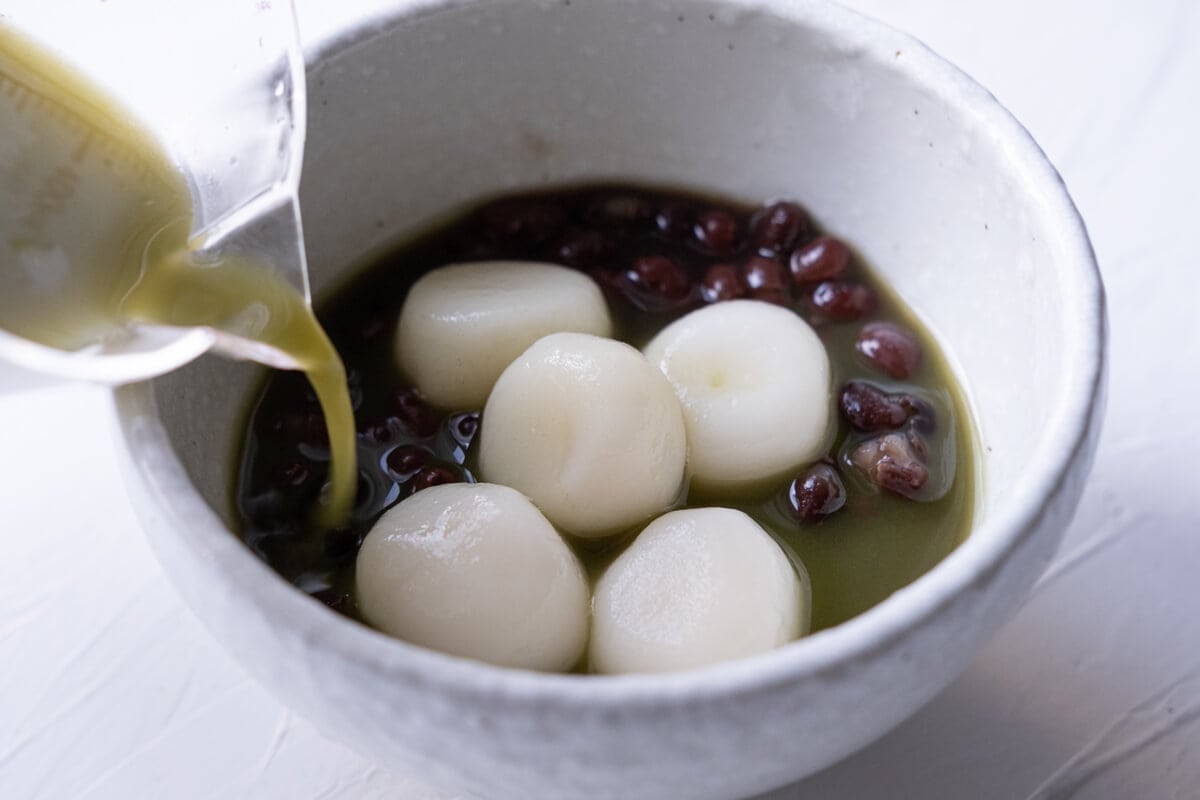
[(892, 497)]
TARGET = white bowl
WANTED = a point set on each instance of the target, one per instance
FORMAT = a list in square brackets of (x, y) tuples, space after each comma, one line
[(419, 111)]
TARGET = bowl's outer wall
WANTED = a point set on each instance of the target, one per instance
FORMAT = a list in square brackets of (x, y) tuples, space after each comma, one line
[(416, 115)]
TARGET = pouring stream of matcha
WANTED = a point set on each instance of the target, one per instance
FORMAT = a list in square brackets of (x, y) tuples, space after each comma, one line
[(95, 250)]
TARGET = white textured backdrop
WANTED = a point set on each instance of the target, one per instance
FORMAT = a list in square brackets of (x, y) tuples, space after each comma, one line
[(110, 689)]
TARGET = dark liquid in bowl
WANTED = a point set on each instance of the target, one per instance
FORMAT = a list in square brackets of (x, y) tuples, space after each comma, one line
[(657, 255)]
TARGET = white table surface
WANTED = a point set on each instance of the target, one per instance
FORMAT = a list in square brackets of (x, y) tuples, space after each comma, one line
[(109, 688)]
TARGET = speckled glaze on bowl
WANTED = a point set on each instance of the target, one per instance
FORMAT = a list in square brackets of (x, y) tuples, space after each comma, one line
[(422, 109)]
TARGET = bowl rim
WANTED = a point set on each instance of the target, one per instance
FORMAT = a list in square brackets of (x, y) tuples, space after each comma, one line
[(1072, 425)]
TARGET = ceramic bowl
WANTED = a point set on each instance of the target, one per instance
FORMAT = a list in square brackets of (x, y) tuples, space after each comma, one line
[(419, 110)]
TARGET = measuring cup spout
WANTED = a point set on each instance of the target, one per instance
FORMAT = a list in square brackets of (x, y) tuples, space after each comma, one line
[(149, 352)]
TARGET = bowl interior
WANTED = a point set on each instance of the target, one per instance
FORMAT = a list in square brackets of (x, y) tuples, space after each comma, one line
[(450, 106), (415, 114)]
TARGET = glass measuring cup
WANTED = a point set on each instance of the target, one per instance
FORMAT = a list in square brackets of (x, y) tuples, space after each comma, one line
[(221, 87)]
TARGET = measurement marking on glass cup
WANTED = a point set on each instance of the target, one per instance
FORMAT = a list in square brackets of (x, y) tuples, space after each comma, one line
[(58, 188)]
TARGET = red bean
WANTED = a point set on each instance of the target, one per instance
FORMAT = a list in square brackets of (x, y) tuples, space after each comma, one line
[(404, 461), (822, 259), (415, 414), (717, 231), (890, 348), (870, 409), (842, 301), (432, 476), (675, 220), (760, 273), (584, 249), (776, 228), (659, 277), (816, 493), (894, 461), (721, 282), (610, 280)]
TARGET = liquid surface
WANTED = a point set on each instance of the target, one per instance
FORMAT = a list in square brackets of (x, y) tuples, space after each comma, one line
[(855, 558), (94, 224)]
